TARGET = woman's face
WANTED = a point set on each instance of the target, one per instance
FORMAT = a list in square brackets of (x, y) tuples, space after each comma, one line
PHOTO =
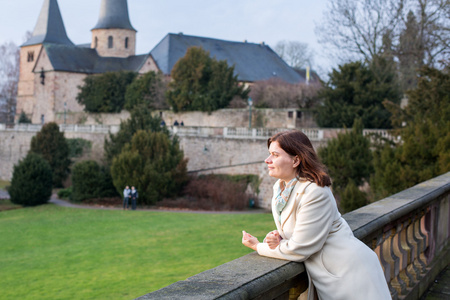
[(281, 165)]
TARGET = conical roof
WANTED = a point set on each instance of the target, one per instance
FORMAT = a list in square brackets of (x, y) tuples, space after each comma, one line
[(114, 14), (49, 27)]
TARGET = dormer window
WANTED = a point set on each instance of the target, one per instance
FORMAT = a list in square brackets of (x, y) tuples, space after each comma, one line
[(30, 57), (126, 43), (110, 42)]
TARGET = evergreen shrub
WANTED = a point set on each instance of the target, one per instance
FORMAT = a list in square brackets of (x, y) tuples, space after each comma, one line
[(52, 145), (31, 182), (90, 180)]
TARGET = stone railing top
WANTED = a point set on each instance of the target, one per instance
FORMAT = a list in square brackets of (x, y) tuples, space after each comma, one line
[(253, 276), (314, 134)]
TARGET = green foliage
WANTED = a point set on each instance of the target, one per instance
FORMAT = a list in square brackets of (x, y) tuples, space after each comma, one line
[(23, 119), (90, 180), (65, 193), (31, 183), (425, 149), (78, 146), (141, 119), (52, 145), (153, 163), (348, 157), (105, 92), (352, 198), (202, 83), (148, 90), (357, 91)]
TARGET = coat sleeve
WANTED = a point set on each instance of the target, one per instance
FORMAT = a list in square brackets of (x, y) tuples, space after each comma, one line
[(313, 223)]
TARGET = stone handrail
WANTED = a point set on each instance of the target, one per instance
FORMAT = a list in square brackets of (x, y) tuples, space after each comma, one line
[(409, 231)]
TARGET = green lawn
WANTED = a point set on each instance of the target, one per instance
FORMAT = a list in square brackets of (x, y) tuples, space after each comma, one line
[(51, 252)]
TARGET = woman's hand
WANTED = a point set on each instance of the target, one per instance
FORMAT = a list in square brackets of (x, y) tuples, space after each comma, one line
[(249, 240), (273, 239)]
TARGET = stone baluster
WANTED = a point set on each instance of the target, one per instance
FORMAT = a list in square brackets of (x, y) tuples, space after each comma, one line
[(413, 245), (400, 260), (406, 250)]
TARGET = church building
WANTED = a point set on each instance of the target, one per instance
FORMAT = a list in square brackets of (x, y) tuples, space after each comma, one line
[(52, 67)]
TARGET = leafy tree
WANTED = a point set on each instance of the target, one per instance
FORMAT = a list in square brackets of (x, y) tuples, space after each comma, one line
[(425, 149), (90, 180), (52, 145), (200, 82), (358, 91), (141, 119), (105, 92), (148, 89), (78, 146), (31, 183), (153, 163)]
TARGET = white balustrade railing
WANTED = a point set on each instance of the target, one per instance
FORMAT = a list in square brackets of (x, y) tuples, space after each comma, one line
[(314, 134)]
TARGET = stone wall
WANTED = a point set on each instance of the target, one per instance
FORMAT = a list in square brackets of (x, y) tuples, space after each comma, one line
[(207, 155)]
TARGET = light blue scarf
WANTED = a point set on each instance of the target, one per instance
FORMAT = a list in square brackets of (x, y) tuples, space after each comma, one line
[(283, 194)]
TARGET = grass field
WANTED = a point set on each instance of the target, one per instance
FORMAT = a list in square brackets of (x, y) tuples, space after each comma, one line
[(52, 252)]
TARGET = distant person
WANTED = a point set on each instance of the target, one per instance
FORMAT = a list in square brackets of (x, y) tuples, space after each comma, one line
[(175, 123), (182, 123), (134, 195), (310, 229), (126, 197), (163, 123)]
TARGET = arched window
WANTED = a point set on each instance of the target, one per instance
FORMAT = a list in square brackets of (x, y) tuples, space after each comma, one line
[(95, 42), (126, 43), (110, 42)]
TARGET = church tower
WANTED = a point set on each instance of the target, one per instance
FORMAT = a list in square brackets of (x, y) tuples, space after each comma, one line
[(49, 29), (113, 35)]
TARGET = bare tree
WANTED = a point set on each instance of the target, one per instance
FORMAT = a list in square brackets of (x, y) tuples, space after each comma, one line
[(296, 54), (357, 27), (275, 93), (9, 77)]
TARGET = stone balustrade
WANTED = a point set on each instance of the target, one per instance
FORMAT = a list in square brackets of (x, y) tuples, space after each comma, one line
[(409, 231)]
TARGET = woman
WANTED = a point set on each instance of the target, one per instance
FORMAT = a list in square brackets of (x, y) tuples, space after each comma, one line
[(134, 195), (310, 228)]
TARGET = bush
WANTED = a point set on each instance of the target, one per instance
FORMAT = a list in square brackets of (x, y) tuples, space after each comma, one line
[(23, 119), (65, 193), (217, 193), (52, 145), (90, 180), (153, 163), (31, 183), (78, 146)]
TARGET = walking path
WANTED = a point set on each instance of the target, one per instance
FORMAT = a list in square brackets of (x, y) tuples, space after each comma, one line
[(55, 200)]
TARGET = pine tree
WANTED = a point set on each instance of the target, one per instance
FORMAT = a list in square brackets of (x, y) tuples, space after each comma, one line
[(31, 183), (52, 145), (153, 163)]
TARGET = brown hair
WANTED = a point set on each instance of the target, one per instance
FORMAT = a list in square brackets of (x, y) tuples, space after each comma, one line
[(296, 143)]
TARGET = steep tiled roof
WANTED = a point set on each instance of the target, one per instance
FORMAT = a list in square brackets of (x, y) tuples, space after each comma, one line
[(49, 27), (86, 60), (253, 62)]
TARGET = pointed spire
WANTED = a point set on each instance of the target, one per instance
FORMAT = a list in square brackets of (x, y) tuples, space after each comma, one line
[(49, 27), (114, 14)]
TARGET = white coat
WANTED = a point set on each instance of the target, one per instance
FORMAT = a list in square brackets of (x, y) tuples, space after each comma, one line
[(340, 266)]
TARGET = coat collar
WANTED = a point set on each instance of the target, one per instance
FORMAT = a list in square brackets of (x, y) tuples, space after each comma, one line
[(290, 205)]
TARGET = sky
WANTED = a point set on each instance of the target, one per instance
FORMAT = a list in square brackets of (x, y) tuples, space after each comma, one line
[(256, 21)]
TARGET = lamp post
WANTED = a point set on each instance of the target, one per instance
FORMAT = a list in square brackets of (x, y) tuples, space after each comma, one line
[(250, 103)]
